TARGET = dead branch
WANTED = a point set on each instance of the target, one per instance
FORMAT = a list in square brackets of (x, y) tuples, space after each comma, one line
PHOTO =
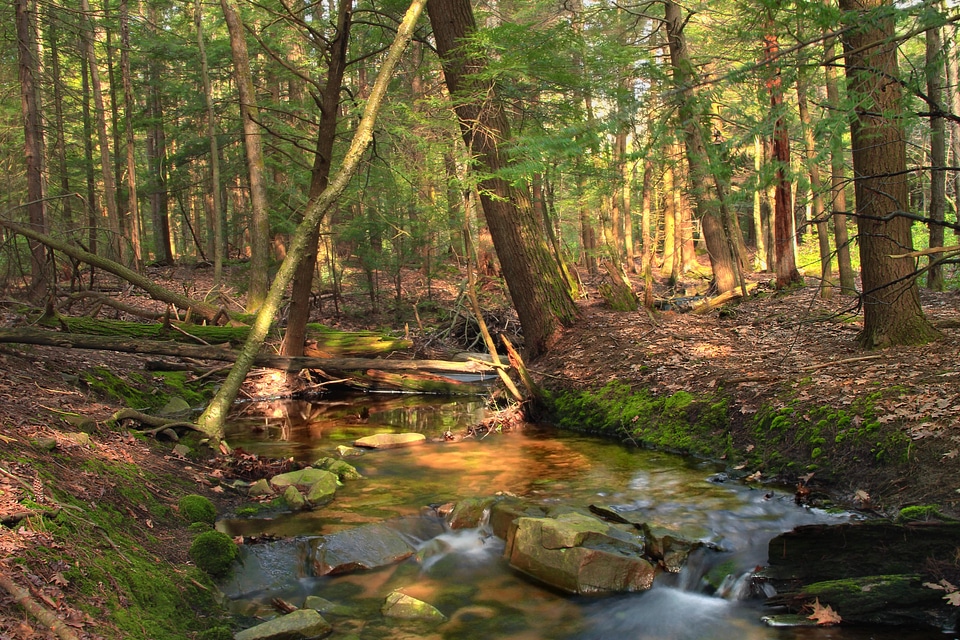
[(110, 301), (46, 617), (824, 365)]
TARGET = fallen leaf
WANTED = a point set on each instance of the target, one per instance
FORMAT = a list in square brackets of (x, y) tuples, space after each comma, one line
[(754, 477), (824, 615), (950, 455), (953, 598), (750, 448), (934, 585)]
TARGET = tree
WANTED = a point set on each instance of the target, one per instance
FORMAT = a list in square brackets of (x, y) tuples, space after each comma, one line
[(211, 421), (32, 138), (891, 302), (329, 103), (215, 212), (534, 278), (259, 280), (938, 149)]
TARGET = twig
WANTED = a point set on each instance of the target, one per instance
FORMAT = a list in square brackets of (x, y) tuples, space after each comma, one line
[(824, 365)]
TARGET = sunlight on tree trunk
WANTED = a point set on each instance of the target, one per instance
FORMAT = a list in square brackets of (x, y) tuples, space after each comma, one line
[(215, 221), (211, 421)]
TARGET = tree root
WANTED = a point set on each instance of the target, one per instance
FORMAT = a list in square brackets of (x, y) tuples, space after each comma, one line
[(43, 615), (157, 424)]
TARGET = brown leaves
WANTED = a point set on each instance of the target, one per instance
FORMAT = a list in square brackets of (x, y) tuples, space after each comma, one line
[(824, 615), (953, 594)]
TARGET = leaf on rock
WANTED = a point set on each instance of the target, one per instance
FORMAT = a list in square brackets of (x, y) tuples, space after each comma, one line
[(953, 598), (824, 615)]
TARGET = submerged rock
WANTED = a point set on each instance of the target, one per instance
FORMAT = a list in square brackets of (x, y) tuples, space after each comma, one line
[(390, 440), (343, 470), (400, 605), (370, 546), (302, 624), (579, 554), (316, 486)]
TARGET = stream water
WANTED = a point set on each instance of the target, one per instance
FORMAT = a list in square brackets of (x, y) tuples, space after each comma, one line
[(463, 574)]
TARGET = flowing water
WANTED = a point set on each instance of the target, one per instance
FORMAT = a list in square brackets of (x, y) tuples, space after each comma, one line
[(463, 574)]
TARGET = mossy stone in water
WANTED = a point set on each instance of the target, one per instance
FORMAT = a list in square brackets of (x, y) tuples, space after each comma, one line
[(214, 552), (197, 509)]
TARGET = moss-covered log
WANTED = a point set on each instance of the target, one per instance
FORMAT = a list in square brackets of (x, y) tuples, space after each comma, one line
[(418, 383)]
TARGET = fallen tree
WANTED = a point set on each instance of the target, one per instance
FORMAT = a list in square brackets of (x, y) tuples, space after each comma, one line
[(224, 354)]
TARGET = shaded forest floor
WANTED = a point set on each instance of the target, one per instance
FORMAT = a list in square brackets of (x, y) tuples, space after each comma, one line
[(773, 349)]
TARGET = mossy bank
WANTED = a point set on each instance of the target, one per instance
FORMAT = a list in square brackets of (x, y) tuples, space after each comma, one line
[(785, 440)]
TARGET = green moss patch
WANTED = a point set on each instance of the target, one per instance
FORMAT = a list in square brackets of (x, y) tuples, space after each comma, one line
[(214, 552)]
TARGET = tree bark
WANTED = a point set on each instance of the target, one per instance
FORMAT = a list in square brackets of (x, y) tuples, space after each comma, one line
[(212, 419), (299, 312), (259, 280), (157, 153), (26, 19), (534, 278), (59, 147), (891, 302)]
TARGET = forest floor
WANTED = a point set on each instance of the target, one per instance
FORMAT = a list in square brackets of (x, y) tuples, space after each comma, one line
[(772, 349)]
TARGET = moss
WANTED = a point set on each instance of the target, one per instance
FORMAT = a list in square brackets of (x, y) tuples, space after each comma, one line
[(214, 552), (680, 422), (197, 509), (921, 512), (217, 633), (146, 391)]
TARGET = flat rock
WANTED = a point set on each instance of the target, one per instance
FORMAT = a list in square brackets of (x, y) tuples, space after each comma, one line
[(302, 624), (303, 479), (371, 545), (390, 440)]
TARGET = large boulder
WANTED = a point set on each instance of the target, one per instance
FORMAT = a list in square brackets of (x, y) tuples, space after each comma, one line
[(302, 624), (579, 554)]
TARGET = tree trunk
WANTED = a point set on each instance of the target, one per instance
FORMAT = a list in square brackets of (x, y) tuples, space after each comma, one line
[(212, 419), (891, 303), (938, 152), (214, 221), (133, 208), (157, 154), (534, 278), (60, 149), (838, 180), (760, 255), (29, 66), (787, 273), (299, 312), (669, 263), (721, 257), (819, 213), (259, 280), (115, 240), (89, 173), (953, 77)]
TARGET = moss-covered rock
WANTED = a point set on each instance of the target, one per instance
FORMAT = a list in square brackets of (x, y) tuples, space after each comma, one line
[(214, 552), (196, 508)]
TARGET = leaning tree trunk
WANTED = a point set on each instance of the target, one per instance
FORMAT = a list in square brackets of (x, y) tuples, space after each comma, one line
[(534, 278), (891, 302), (212, 419), (32, 139)]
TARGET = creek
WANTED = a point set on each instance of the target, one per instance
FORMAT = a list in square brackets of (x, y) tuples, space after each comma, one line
[(463, 574)]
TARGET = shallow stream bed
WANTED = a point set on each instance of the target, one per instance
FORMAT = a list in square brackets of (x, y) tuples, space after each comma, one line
[(463, 574)]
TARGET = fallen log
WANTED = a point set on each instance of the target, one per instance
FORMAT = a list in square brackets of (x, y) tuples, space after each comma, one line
[(283, 363), (420, 383)]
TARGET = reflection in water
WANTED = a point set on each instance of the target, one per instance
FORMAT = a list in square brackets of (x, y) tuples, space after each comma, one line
[(463, 573)]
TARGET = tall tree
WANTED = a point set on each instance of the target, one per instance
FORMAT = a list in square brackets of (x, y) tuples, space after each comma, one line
[(711, 214), (133, 208), (534, 278), (813, 170), (115, 245), (156, 148), (891, 302), (787, 273), (249, 115), (838, 179), (29, 65), (329, 103), (215, 212), (938, 150)]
